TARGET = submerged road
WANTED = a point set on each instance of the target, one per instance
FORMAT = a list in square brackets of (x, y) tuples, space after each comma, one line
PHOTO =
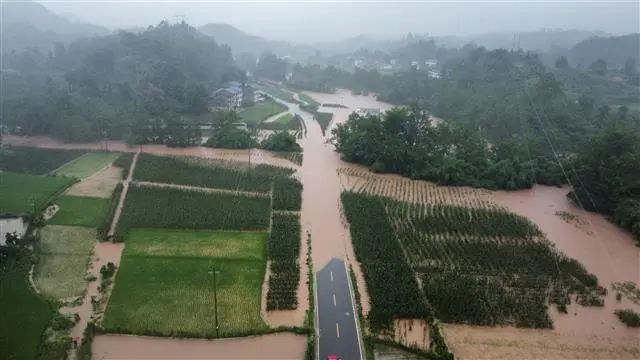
[(336, 320)]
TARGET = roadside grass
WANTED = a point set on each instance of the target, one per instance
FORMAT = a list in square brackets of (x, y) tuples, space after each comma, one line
[(64, 254), (153, 207), (256, 114), (308, 99), (87, 164), (19, 193), (35, 161), (164, 287), (25, 315), (278, 92), (80, 211)]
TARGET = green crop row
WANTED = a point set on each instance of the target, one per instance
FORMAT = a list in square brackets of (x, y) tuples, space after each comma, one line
[(391, 283), (283, 252), (152, 207), (207, 173), (287, 194)]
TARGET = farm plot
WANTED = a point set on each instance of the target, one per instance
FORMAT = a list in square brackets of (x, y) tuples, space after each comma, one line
[(26, 314), (254, 115), (287, 194), (87, 164), (21, 193), (324, 119), (64, 254), (486, 266), (100, 185), (80, 211), (478, 266), (207, 173), (285, 122), (294, 157), (153, 207), (283, 252), (164, 286), (34, 161)]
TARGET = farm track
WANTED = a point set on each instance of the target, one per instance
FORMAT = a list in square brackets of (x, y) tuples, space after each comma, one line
[(198, 188), (123, 196)]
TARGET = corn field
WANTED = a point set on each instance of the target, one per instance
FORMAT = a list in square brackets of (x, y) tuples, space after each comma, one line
[(284, 252)]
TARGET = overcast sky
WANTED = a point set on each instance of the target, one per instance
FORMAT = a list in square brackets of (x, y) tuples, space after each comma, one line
[(301, 20)]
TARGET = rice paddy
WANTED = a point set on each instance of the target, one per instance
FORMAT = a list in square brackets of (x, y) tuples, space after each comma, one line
[(164, 286), (87, 164), (80, 211), (26, 194)]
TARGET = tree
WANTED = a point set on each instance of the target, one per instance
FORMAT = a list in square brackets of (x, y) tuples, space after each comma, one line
[(281, 141), (599, 67), (271, 67), (226, 133), (562, 62)]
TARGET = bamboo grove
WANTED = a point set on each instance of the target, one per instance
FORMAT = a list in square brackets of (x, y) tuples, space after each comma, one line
[(481, 266)]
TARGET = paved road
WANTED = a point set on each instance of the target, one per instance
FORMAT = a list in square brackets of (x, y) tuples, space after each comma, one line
[(336, 320)]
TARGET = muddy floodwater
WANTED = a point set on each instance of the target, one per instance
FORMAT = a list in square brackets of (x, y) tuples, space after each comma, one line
[(274, 346), (256, 156)]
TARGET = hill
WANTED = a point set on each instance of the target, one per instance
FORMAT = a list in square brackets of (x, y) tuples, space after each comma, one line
[(29, 24), (615, 50)]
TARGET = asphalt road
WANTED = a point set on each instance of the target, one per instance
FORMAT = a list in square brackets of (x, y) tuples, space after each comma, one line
[(336, 320)]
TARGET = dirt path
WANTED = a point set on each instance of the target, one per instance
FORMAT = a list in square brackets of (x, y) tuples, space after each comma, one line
[(198, 188), (125, 188), (274, 117)]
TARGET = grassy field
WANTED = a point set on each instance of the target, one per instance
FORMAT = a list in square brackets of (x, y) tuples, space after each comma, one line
[(80, 211), (35, 161), (19, 192), (308, 99), (64, 253), (286, 121), (257, 113), (25, 314), (278, 92), (148, 207), (87, 164), (164, 287)]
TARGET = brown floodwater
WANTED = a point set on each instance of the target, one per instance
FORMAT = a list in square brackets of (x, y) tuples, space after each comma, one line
[(603, 248), (274, 346)]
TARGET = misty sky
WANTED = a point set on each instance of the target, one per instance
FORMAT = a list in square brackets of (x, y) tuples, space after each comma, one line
[(300, 21)]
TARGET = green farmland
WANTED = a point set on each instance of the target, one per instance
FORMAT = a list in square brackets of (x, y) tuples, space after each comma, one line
[(26, 314), (19, 193), (80, 211), (164, 287), (87, 164), (64, 253), (257, 113), (149, 207), (35, 161)]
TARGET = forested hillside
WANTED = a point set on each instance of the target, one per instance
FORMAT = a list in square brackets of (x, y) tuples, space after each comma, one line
[(508, 124), (615, 50), (114, 86), (29, 24)]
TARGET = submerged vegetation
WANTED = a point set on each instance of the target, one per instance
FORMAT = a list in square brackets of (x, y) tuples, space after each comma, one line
[(481, 266)]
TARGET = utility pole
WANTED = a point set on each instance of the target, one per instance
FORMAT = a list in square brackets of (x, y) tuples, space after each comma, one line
[(214, 272), (249, 157)]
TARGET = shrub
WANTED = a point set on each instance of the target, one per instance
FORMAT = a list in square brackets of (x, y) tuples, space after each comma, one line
[(629, 317)]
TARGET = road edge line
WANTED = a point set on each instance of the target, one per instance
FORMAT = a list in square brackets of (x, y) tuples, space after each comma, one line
[(315, 309), (355, 314)]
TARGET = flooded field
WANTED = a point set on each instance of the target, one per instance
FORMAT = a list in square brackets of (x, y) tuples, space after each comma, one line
[(257, 156), (274, 346), (603, 248), (479, 342)]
